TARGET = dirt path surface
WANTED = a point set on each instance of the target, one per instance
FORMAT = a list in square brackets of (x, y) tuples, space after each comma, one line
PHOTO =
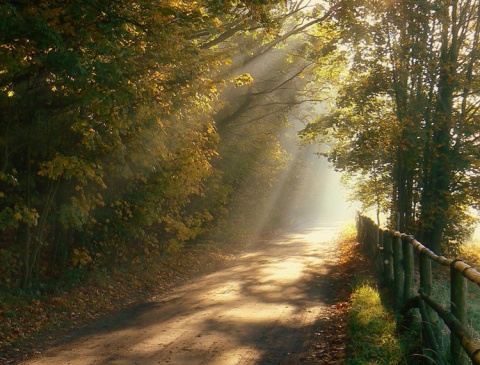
[(268, 308)]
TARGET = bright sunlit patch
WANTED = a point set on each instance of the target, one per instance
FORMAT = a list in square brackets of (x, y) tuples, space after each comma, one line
[(320, 235), (227, 295), (283, 272), (255, 313)]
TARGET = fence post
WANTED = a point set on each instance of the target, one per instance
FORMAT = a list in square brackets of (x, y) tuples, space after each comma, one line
[(428, 322), (370, 245), (459, 310), (397, 272), (426, 278), (359, 228), (429, 342), (387, 258), (408, 265), (364, 231), (373, 241), (378, 249)]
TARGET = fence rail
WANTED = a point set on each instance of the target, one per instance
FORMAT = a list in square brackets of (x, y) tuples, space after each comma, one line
[(399, 258)]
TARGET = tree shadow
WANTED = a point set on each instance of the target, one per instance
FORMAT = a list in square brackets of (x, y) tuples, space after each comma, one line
[(265, 309)]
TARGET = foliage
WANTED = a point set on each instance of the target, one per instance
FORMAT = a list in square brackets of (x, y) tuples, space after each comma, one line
[(106, 129), (115, 142), (258, 155), (404, 127)]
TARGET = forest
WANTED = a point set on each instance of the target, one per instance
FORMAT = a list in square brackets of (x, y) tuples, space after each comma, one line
[(129, 130)]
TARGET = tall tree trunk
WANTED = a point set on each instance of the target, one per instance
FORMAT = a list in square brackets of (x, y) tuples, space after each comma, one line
[(436, 195), (25, 231), (400, 86), (41, 228)]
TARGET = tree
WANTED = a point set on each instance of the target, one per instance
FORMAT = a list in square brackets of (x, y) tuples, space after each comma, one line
[(420, 57), (108, 127), (252, 118), (105, 128)]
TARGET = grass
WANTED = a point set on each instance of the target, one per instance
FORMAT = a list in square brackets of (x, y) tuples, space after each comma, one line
[(374, 337), (372, 329)]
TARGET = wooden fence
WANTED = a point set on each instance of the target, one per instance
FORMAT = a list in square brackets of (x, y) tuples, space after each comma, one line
[(406, 267)]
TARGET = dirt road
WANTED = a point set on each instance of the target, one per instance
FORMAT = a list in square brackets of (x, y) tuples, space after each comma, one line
[(265, 309)]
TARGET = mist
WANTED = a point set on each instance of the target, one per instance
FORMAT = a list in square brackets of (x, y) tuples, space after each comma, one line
[(283, 97)]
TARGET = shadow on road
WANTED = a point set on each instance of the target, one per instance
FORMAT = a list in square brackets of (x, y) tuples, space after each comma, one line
[(265, 309)]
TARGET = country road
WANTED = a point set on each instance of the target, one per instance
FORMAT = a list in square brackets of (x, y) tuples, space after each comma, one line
[(265, 309)]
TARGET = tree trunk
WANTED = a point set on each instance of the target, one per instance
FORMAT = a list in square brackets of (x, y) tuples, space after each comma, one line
[(436, 195)]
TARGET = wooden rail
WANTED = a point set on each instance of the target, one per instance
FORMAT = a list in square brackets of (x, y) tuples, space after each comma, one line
[(399, 258)]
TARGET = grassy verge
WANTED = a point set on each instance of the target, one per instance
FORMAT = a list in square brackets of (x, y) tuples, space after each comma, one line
[(372, 329), (373, 334)]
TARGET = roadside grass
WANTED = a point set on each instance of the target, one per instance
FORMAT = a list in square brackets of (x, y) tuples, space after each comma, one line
[(374, 337), (372, 327)]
